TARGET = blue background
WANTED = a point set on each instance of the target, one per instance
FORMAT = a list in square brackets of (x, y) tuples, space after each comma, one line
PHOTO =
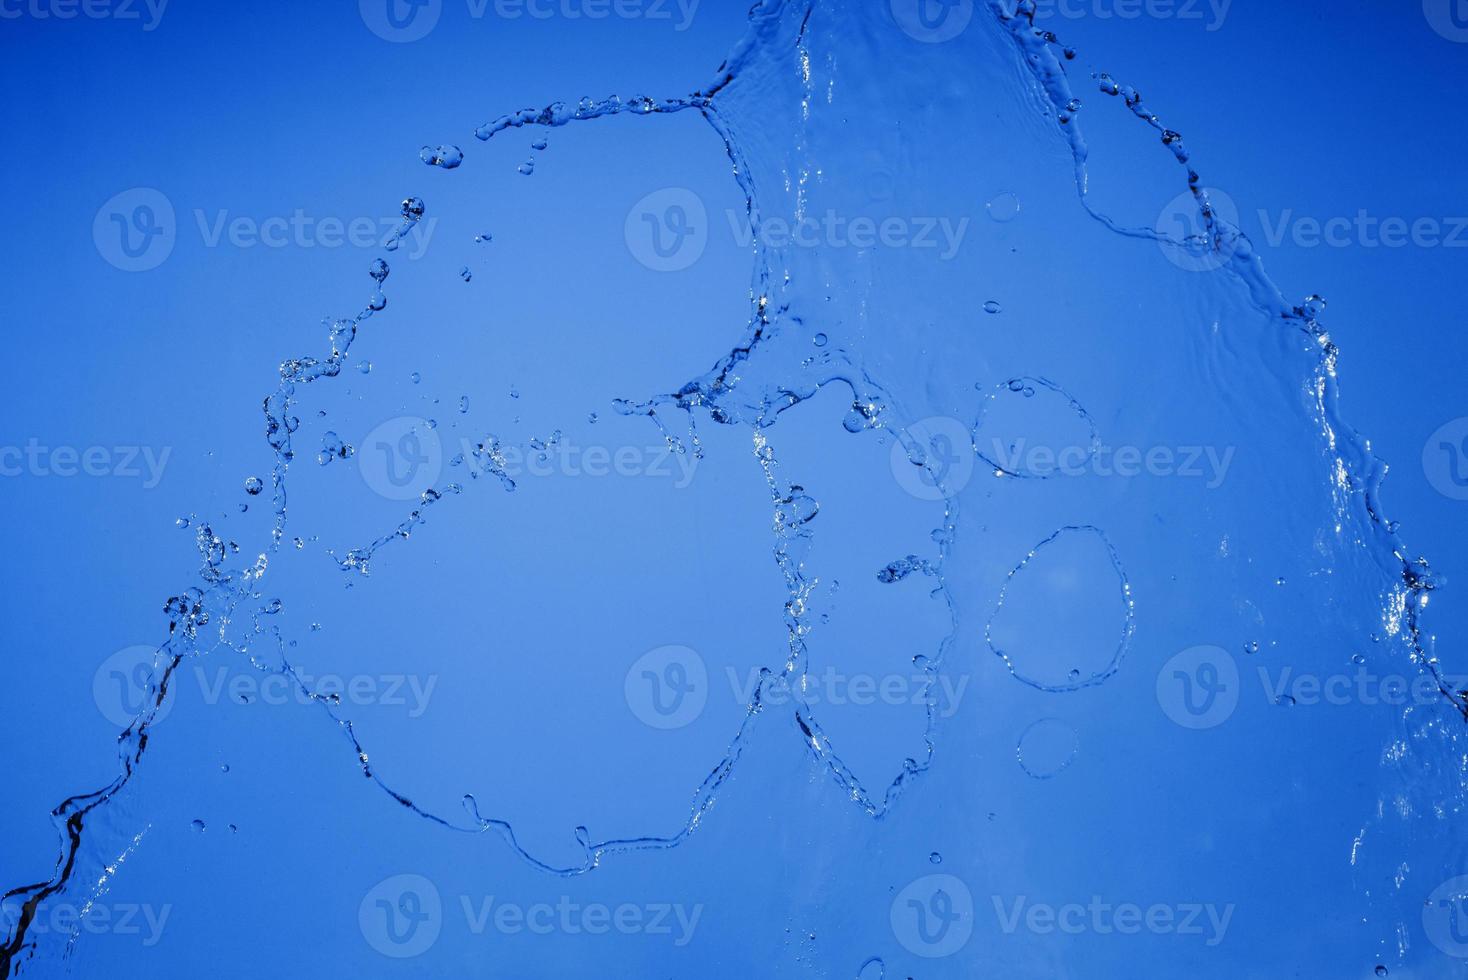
[(528, 608)]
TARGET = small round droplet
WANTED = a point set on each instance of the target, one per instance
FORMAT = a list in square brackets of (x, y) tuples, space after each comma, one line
[(378, 270), (415, 377), (198, 826), (539, 144), (224, 767), (254, 485), (1004, 208), (1381, 970), (413, 208), (527, 168), (1252, 646), (821, 340), (935, 858), (992, 307), (365, 367)]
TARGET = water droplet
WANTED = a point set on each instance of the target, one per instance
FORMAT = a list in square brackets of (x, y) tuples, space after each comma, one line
[(466, 273), (935, 858), (483, 237), (992, 307), (413, 208), (821, 340), (254, 485), (463, 404), (448, 157), (1252, 646), (539, 144), (1004, 208), (415, 377), (365, 367), (198, 826), (1381, 971), (527, 168), (378, 270)]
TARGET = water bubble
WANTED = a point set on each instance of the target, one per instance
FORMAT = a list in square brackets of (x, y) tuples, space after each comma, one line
[(539, 144), (378, 270), (1381, 971), (415, 377), (447, 157), (935, 858), (198, 826), (527, 168), (1047, 748), (1252, 646), (483, 237), (1004, 208), (821, 340), (992, 307), (254, 485), (365, 367), (377, 302)]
